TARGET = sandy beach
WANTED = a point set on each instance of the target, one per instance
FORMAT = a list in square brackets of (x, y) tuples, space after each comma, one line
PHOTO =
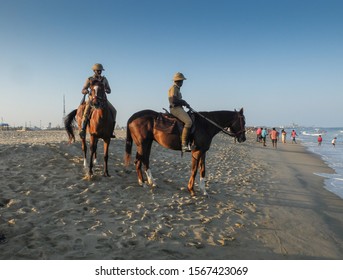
[(264, 203)]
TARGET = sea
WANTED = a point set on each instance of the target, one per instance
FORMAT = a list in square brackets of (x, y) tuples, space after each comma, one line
[(332, 155)]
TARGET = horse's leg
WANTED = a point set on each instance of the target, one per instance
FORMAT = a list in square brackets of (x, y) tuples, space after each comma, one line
[(95, 161), (84, 150), (138, 164), (202, 174), (107, 142), (196, 155), (146, 162), (151, 180), (93, 146)]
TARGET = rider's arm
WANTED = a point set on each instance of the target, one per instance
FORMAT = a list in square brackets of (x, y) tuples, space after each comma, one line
[(107, 86), (85, 87), (175, 97)]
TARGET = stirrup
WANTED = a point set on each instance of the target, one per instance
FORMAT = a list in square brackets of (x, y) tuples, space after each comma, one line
[(186, 149)]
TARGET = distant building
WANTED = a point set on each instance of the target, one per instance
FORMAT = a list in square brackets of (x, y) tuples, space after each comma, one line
[(4, 126)]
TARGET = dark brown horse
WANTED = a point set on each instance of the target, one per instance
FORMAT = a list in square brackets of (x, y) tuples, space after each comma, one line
[(141, 128), (100, 125)]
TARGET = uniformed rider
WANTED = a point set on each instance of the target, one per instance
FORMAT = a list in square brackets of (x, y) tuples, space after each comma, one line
[(97, 68), (176, 104)]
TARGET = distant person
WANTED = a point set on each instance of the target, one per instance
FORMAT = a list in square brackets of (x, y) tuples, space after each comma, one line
[(274, 136), (258, 134), (264, 134), (176, 104), (320, 140), (97, 69), (333, 142), (293, 135), (283, 136)]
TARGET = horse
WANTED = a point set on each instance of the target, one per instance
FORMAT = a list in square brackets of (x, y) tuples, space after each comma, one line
[(100, 125), (141, 129)]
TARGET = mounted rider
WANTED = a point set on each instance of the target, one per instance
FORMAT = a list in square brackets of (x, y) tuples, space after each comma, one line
[(176, 104), (97, 68)]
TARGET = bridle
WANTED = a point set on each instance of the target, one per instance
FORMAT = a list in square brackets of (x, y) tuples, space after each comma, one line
[(240, 118), (100, 101)]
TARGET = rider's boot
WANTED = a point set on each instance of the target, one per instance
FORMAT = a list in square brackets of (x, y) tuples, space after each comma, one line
[(184, 138), (84, 122), (82, 132)]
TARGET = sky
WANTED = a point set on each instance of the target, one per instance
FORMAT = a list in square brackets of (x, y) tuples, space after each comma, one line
[(282, 61)]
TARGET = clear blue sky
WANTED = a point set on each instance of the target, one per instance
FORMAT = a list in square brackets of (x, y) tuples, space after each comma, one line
[(280, 60)]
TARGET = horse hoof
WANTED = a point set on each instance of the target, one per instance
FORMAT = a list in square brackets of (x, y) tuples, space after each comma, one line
[(87, 177)]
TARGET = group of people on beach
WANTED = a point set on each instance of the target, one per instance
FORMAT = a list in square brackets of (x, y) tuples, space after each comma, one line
[(262, 133), (176, 103)]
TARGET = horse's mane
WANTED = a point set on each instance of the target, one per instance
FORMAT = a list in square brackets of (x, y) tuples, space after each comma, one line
[(139, 114)]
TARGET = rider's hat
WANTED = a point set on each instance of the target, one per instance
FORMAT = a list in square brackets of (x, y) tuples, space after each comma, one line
[(179, 77), (97, 66)]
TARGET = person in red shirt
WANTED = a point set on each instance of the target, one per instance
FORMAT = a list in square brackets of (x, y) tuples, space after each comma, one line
[(293, 135), (274, 136), (258, 135), (320, 140)]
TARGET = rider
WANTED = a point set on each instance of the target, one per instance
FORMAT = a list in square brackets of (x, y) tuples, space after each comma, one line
[(97, 68), (175, 104)]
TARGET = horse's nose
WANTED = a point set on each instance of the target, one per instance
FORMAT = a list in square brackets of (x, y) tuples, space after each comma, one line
[(241, 138)]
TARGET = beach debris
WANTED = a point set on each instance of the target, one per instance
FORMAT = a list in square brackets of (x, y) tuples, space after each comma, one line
[(197, 244)]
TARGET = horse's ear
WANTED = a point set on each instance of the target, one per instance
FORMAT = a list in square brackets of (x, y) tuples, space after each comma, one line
[(241, 111), (94, 82)]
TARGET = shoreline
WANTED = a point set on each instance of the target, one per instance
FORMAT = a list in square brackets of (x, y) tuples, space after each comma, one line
[(305, 218), (264, 203)]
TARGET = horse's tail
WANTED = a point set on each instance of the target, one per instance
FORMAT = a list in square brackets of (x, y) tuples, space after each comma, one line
[(68, 125), (128, 146)]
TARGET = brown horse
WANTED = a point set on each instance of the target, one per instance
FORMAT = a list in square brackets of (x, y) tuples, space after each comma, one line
[(100, 125), (141, 128)]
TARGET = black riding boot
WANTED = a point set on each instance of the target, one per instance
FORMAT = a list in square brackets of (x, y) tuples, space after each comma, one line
[(83, 129)]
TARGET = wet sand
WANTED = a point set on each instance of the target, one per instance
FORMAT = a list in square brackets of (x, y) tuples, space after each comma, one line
[(264, 203)]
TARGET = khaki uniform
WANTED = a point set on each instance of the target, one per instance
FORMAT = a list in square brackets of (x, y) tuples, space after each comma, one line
[(85, 90), (174, 95)]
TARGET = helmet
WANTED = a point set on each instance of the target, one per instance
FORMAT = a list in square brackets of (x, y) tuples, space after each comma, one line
[(97, 66), (179, 77)]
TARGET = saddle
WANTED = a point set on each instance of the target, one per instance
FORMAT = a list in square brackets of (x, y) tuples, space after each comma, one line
[(169, 124)]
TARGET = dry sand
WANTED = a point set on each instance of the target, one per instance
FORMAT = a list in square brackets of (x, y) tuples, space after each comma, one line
[(264, 203)]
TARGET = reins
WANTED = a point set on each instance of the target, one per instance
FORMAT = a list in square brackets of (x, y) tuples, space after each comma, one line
[(217, 125)]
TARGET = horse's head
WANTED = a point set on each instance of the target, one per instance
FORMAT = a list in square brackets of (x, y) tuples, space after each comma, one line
[(98, 95), (237, 128)]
